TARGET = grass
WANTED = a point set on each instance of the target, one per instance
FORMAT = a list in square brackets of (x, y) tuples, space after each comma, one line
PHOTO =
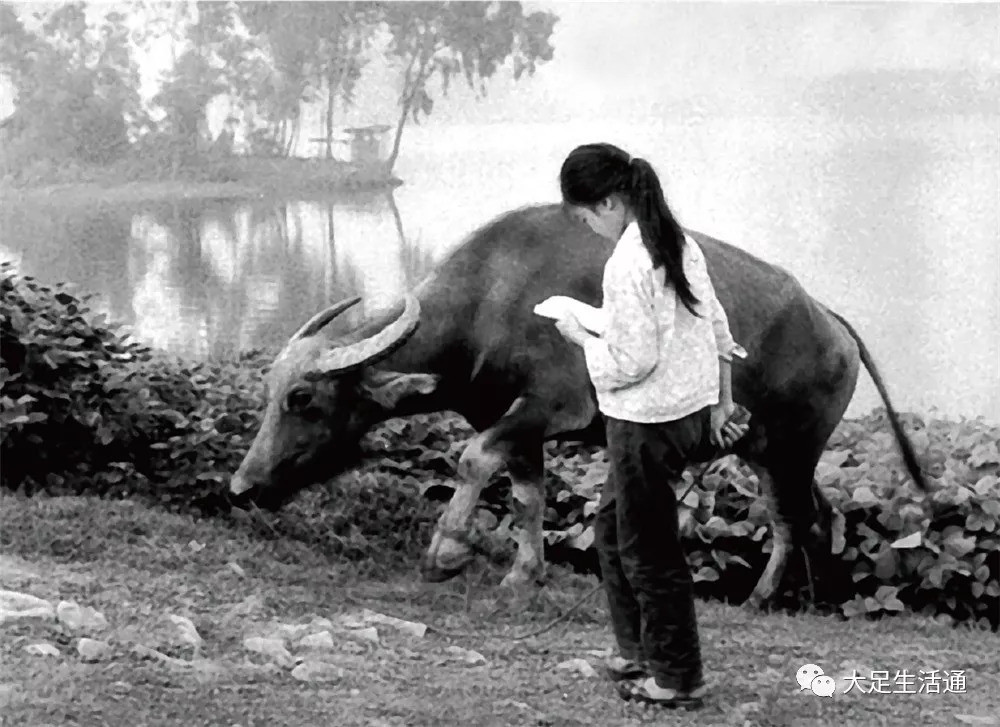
[(137, 565)]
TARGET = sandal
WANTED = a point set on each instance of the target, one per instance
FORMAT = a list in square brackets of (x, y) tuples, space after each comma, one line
[(637, 691), (620, 669)]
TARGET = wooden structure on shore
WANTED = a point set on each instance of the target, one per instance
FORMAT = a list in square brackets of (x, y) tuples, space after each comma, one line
[(364, 144)]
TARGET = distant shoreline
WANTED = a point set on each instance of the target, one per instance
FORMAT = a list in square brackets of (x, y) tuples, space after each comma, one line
[(235, 178)]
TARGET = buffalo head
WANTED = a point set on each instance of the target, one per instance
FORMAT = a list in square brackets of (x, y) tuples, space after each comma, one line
[(323, 396)]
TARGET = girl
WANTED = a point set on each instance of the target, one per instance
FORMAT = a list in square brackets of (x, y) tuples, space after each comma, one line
[(661, 370)]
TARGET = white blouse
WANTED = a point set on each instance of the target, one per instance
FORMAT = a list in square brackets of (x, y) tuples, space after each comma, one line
[(655, 361)]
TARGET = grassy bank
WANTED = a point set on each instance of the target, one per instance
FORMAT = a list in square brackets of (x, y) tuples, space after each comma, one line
[(140, 446), (233, 177), (139, 566), (102, 414)]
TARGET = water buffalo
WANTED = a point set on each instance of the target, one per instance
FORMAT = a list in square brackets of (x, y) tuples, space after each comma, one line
[(466, 340)]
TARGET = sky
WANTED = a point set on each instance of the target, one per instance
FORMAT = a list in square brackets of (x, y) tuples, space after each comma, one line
[(625, 58), (630, 58)]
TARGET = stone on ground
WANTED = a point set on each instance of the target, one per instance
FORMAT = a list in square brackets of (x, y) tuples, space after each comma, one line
[(82, 619), (15, 605), (91, 650)]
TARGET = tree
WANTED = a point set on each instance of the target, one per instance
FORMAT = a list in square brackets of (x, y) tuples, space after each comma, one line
[(185, 96), (317, 50), (474, 39), (76, 83)]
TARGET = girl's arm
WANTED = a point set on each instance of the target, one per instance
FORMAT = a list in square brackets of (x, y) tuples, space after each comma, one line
[(702, 284), (629, 349), (725, 381)]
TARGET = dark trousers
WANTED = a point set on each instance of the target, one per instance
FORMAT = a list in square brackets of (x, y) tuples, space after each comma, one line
[(646, 576)]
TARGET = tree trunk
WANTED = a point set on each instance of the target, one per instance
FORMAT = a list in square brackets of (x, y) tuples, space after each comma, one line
[(329, 115), (410, 87), (293, 138)]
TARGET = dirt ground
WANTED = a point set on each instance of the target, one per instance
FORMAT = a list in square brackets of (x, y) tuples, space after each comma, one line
[(138, 567)]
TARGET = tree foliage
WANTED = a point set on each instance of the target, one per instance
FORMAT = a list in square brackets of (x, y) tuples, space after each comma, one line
[(472, 40), (76, 84), (318, 52), (76, 77)]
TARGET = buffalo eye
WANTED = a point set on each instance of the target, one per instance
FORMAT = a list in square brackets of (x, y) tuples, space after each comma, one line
[(300, 402)]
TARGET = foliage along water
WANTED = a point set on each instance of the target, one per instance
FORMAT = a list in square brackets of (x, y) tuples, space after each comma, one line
[(896, 231)]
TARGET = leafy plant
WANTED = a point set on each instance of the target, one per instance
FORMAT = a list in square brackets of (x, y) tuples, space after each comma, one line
[(85, 409)]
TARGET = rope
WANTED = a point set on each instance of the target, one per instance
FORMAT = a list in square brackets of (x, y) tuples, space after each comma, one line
[(479, 549), (447, 633)]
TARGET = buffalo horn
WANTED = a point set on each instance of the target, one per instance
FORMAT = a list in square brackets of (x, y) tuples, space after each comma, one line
[(374, 348), (314, 324)]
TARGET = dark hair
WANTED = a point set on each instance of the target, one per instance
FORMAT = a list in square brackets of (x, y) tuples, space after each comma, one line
[(592, 172)]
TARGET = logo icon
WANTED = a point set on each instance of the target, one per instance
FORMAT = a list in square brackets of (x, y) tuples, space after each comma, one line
[(823, 686), (811, 677)]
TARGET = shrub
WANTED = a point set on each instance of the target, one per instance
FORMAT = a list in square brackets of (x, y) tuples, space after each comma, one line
[(935, 553), (99, 412), (102, 414), (85, 409)]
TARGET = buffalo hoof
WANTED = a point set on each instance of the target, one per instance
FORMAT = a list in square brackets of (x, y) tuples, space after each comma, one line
[(434, 574), (445, 559), (520, 582), (756, 603)]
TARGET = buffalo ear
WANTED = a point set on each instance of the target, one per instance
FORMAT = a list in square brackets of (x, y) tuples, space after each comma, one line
[(388, 388)]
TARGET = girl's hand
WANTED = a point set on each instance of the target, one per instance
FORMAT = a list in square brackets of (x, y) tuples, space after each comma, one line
[(572, 330), (725, 433)]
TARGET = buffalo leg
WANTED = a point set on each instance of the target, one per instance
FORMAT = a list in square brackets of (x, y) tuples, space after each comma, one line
[(781, 545), (515, 440), (449, 552), (801, 517), (528, 495)]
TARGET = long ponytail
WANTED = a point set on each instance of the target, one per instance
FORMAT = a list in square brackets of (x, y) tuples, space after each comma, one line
[(591, 172), (661, 233)]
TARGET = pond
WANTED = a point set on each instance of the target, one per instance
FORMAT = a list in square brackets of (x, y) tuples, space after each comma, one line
[(896, 231)]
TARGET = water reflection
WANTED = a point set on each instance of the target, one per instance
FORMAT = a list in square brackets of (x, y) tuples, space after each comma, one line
[(894, 227), (209, 279)]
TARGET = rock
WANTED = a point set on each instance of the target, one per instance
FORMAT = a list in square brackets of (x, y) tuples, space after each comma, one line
[(203, 666), (15, 605), (83, 619), (236, 568), (413, 628), (317, 671), (321, 624), (349, 646), (467, 655), (148, 653), (42, 649), (319, 640), (249, 605), (91, 650), (14, 569), (350, 621), (271, 647), (580, 666), (187, 630), (369, 634), (288, 632), (195, 546)]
